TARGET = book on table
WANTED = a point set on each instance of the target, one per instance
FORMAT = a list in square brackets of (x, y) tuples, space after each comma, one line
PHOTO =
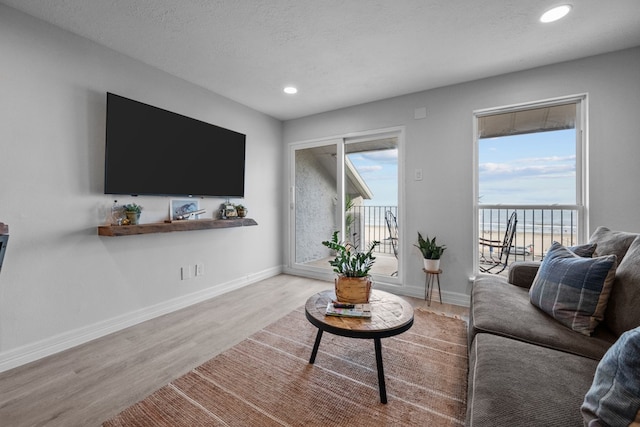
[(348, 310)]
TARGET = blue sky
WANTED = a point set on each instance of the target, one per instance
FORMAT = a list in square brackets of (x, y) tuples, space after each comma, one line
[(536, 168), (379, 169)]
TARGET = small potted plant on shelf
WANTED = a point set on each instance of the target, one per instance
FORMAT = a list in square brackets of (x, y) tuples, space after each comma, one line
[(353, 284), (431, 252), (132, 211), (241, 210)]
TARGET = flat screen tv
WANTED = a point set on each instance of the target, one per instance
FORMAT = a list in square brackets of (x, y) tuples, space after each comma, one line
[(151, 151)]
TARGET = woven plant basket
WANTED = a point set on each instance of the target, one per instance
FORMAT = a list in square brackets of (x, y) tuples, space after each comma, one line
[(353, 290)]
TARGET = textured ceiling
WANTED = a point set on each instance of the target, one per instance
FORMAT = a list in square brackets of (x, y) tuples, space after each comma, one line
[(340, 52)]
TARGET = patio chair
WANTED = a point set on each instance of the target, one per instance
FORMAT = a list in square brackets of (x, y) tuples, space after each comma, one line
[(499, 250), (392, 226)]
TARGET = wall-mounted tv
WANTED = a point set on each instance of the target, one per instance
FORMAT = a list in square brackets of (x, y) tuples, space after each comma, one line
[(151, 151)]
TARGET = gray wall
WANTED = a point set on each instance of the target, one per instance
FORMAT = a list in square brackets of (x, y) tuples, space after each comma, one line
[(61, 284), (442, 145)]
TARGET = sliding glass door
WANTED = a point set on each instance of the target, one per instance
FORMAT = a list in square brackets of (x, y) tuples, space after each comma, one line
[(348, 185)]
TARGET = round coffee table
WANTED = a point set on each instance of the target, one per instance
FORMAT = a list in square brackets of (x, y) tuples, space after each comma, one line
[(390, 315)]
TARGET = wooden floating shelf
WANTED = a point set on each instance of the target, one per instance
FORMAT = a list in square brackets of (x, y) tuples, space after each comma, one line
[(169, 226)]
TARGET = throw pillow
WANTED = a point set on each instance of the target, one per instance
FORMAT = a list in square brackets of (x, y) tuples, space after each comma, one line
[(585, 251), (572, 289), (612, 242), (614, 396), (623, 312)]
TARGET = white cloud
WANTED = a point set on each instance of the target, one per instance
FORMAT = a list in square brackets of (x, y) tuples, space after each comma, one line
[(369, 169), (385, 156), (535, 167)]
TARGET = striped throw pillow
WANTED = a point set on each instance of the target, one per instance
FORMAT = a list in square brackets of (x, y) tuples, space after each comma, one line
[(614, 396), (572, 289)]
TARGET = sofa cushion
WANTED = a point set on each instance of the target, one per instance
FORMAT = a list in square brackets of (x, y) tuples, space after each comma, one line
[(573, 290), (512, 383), (522, 273), (622, 312), (614, 396), (500, 308), (612, 242), (586, 250)]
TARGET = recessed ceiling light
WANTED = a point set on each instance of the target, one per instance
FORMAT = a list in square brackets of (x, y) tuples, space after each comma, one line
[(290, 90), (556, 13)]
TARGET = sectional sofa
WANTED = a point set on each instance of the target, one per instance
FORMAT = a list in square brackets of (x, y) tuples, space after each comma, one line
[(533, 356)]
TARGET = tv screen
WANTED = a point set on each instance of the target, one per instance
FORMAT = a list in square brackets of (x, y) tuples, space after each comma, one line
[(151, 151)]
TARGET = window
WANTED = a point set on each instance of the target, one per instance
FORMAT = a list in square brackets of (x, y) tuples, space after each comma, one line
[(530, 160)]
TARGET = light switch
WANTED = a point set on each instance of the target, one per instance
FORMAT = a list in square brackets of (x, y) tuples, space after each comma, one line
[(417, 175)]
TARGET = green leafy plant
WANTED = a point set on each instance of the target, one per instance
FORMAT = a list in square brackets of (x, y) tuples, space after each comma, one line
[(132, 207), (349, 217), (241, 210), (429, 248), (348, 261)]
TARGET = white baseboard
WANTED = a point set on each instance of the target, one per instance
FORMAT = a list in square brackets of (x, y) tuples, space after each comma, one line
[(55, 344), (454, 298)]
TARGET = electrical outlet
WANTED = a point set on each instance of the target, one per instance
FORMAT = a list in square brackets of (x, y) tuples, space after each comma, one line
[(199, 269)]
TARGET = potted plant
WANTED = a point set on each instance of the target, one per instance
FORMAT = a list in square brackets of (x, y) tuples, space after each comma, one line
[(133, 212), (241, 210), (353, 284), (431, 252)]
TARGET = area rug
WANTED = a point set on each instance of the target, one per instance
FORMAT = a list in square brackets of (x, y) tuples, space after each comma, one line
[(266, 380)]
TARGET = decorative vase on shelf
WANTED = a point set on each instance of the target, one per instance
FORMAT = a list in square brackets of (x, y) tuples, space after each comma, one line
[(116, 214), (229, 211)]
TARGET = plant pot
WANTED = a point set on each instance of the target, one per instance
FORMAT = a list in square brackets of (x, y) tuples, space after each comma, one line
[(353, 290), (432, 264), (242, 213), (133, 217)]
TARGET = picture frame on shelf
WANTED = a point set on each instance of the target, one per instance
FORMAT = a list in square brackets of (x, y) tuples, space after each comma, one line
[(182, 208)]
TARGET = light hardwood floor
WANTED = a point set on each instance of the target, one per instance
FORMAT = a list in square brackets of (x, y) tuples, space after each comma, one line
[(90, 383)]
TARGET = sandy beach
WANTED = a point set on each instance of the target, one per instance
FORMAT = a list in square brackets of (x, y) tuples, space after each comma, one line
[(532, 246), (527, 245)]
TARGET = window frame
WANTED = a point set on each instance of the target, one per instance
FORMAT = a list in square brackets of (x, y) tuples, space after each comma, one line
[(582, 162), (341, 141)]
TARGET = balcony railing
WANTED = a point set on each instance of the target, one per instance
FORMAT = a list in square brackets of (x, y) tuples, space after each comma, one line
[(368, 223), (537, 228)]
